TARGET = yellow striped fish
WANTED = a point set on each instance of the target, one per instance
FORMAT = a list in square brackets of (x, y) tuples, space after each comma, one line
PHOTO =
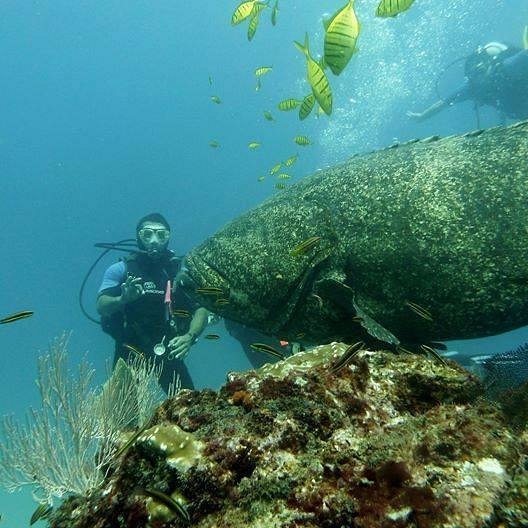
[(391, 8), (283, 176), (222, 301), (290, 161), (263, 70), (180, 312), (341, 34), (268, 116), (261, 178), (242, 12), (432, 352), (275, 12), (43, 511), (280, 186), (420, 310), (302, 140), (253, 25), (306, 106), (525, 37), (305, 246), (267, 349), (16, 316), (275, 168), (214, 144), (258, 7), (175, 506), (216, 99), (289, 104), (347, 356), (254, 145), (317, 78), (209, 290)]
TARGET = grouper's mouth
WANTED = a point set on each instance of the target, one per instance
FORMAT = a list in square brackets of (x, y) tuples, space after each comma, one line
[(198, 276), (208, 286)]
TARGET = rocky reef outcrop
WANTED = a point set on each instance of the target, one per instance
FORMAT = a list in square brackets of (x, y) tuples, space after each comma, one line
[(387, 441)]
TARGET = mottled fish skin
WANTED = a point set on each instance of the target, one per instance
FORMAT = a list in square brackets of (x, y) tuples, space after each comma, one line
[(439, 221)]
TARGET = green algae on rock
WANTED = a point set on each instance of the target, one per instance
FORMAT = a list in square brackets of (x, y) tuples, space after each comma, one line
[(388, 441)]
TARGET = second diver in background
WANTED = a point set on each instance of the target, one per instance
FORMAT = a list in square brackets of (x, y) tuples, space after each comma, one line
[(496, 75)]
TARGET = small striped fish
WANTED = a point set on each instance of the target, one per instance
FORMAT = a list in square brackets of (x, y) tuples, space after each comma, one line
[(288, 104), (305, 246), (16, 316), (242, 12), (290, 161), (266, 349), (306, 106), (259, 72), (391, 8), (253, 25), (302, 140), (317, 78), (341, 34)]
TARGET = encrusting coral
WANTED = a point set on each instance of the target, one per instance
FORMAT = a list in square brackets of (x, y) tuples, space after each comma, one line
[(387, 441)]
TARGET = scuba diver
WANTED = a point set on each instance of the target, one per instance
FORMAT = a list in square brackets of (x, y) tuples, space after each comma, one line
[(495, 75), (142, 308)]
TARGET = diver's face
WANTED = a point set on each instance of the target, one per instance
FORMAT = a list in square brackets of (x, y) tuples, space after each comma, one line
[(154, 237)]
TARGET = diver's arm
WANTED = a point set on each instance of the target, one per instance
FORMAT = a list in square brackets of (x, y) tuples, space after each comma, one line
[(108, 305), (198, 322), (428, 112), (180, 345), (463, 93), (131, 290)]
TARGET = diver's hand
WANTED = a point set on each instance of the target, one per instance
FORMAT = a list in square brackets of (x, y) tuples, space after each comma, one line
[(418, 116), (179, 346), (131, 289)]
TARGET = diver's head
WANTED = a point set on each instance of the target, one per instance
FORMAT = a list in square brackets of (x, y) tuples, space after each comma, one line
[(152, 235), (480, 63), (494, 49)]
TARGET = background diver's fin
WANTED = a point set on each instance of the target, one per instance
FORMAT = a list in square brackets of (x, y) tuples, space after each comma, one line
[(344, 296)]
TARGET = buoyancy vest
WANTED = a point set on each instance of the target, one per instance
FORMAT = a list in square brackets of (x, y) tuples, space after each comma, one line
[(143, 322)]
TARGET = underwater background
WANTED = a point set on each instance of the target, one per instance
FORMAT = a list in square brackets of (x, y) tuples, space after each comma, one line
[(107, 116)]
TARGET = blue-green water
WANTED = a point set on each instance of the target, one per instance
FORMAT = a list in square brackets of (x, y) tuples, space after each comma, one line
[(106, 115)]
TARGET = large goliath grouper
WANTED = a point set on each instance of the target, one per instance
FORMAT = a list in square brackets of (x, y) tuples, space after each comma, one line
[(420, 242)]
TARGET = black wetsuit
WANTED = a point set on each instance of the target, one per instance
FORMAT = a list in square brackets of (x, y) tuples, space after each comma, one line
[(143, 323), (504, 87)]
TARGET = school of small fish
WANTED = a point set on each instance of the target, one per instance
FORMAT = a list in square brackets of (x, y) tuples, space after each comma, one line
[(341, 34)]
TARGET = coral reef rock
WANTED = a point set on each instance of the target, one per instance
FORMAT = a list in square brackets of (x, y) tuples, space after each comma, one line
[(386, 441)]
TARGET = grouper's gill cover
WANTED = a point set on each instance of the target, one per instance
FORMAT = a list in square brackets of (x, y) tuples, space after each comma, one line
[(437, 223), (250, 260)]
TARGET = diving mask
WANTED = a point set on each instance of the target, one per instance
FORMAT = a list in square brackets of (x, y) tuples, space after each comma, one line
[(147, 234)]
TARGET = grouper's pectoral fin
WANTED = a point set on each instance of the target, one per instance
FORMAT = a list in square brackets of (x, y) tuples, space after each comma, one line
[(345, 297), (374, 328)]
